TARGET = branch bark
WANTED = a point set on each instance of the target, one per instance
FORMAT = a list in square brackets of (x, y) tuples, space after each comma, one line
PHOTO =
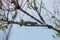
[(38, 25)]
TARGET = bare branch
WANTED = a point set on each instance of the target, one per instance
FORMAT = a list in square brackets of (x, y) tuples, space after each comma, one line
[(30, 16)]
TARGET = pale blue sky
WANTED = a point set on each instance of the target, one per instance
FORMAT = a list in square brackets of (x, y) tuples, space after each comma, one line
[(31, 33)]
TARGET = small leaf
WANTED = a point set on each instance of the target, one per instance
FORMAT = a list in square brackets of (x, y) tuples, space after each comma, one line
[(29, 7), (12, 17), (35, 8), (0, 26), (22, 22), (0, 5), (52, 16), (6, 27), (58, 34)]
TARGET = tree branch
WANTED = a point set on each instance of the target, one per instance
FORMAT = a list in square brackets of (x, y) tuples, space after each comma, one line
[(37, 25), (30, 15)]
